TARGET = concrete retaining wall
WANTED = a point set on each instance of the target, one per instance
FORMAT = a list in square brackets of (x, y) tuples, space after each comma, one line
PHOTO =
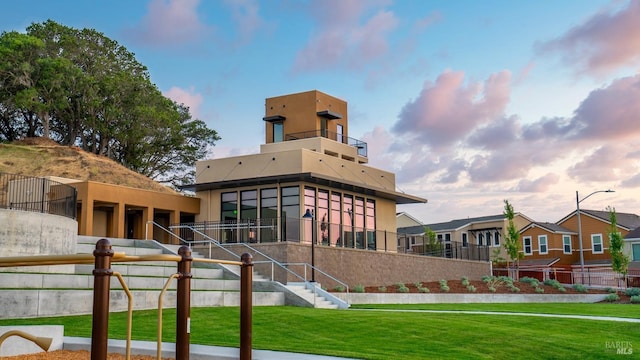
[(367, 268), (15, 345), (363, 298), (29, 233)]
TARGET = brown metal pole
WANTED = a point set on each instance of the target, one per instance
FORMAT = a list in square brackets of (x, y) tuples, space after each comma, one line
[(101, 285), (246, 303), (183, 311)]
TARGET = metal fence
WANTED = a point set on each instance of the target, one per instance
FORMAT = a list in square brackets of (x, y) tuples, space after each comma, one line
[(597, 278), (26, 193)]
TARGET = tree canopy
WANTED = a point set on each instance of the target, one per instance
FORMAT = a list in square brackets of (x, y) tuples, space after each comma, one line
[(78, 87)]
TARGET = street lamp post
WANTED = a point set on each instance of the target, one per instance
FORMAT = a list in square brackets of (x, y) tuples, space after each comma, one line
[(309, 216), (578, 201)]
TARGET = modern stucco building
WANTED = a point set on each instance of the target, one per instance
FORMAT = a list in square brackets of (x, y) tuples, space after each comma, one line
[(308, 165)]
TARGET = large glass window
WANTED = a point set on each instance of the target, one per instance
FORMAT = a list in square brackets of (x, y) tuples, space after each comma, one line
[(480, 239), (310, 206), (543, 247), (596, 244), (278, 132), (229, 215), (371, 224), (566, 244), (323, 217), (527, 245), (496, 238), (229, 206), (359, 223), (465, 240), (290, 213), (347, 220), (334, 229), (249, 205), (268, 215)]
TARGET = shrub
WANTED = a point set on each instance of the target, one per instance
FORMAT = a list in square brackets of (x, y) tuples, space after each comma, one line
[(635, 299), (442, 282), (418, 285), (580, 288), (562, 289), (382, 289), (529, 280), (403, 288), (611, 290), (471, 288), (487, 278), (444, 288), (632, 292), (612, 297), (539, 290), (465, 281), (339, 288), (358, 288), (423, 289), (513, 288), (492, 289), (553, 283)]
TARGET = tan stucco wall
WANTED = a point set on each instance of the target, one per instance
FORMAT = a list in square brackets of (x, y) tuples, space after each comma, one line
[(301, 110), (119, 199), (591, 226)]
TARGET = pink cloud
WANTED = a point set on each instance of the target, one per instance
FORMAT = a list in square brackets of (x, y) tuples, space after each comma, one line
[(447, 111), (604, 43), (343, 38), (605, 164), (539, 185), (188, 98), (170, 23), (611, 113)]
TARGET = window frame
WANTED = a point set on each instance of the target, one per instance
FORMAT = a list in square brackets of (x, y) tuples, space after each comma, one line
[(540, 244), (524, 245), (593, 244), (564, 245)]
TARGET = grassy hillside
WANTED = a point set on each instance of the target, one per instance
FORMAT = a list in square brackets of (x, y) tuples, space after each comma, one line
[(41, 157)]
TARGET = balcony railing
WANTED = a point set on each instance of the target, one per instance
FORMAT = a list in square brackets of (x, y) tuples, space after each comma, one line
[(358, 144), (34, 194)]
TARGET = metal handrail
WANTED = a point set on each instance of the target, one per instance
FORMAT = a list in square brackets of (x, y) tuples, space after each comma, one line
[(270, 259)]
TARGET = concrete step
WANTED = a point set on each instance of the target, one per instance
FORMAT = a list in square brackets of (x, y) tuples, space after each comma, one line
[(316, 300)]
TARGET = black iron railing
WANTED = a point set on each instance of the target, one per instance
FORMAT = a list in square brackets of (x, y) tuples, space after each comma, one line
[(26, 193), (358, 144)]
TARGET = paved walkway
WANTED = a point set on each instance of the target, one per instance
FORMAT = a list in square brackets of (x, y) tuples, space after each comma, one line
[(199, 352), (561, 316)]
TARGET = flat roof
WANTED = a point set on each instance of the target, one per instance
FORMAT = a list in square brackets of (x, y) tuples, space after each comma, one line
[(312, 178)]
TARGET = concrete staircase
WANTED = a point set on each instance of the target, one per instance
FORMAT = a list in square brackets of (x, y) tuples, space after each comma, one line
[(25, 294)]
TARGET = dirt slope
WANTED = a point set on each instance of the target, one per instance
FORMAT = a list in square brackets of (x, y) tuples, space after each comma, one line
[(42, 157)]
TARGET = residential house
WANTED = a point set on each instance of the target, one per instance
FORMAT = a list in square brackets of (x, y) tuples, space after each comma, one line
[(410, 232), (477, 238), (595, 237), (547, 244)]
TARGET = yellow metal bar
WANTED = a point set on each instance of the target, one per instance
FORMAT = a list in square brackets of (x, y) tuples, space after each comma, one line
[(34, 260), (130, 312), (157, 257), (164, 289), (215, 261), (43, 342)]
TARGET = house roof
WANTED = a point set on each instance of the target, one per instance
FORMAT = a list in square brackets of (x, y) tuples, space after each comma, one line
[(402, 213), (626, 221), (412, 230), (551, 227), (546, 262), (458, 223), (635, 234)]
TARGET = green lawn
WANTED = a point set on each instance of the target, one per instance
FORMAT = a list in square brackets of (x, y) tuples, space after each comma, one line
[(394, 335)]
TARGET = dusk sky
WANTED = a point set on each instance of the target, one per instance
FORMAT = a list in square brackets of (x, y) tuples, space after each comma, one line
[(468, 102)]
